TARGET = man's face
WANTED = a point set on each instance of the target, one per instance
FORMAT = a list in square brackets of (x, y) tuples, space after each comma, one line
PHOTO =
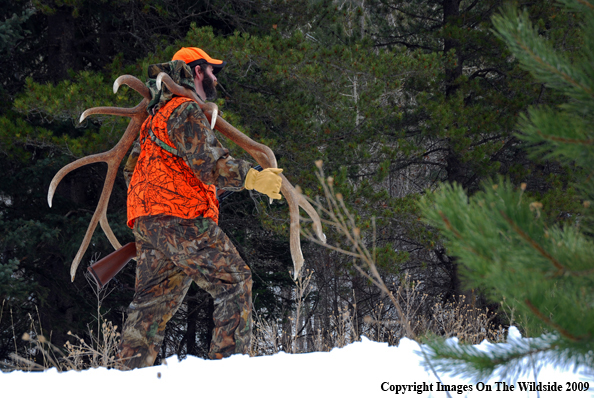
[(209, 83)]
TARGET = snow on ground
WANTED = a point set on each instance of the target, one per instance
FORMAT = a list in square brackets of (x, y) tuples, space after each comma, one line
[(361, 369)]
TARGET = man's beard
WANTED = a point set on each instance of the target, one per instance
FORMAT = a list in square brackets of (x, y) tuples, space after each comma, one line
[(209, 88)]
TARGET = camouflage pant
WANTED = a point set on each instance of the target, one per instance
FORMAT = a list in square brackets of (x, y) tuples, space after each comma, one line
[(173, 252)]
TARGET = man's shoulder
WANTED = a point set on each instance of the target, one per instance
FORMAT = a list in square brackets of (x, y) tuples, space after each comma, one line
[(185, 104), (185, 112)]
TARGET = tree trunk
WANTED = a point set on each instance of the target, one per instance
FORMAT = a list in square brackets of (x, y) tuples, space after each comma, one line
[(454, 167), (61, 50), (451, 13)]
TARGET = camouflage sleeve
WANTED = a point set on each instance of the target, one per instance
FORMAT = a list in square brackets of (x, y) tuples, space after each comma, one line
[(131, 162), (197, 144)]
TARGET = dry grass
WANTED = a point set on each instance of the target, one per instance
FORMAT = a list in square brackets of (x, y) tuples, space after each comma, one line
[(77, 355), (100, 349), (466, 322), (101, 352), (454, 318), (412, 314)]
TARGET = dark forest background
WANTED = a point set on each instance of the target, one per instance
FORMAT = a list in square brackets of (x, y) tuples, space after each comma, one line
[(394, 96)]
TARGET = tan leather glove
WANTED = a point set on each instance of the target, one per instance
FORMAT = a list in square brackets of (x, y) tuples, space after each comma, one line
[(266, 181)]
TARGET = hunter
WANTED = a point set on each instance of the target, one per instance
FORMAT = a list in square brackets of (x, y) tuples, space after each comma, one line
[(173, 211)]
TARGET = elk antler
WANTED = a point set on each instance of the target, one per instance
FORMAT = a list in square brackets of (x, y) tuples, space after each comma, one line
[(113, 158), (265, 157)]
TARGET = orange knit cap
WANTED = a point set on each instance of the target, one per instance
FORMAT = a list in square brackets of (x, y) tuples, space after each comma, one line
[(195, 56)]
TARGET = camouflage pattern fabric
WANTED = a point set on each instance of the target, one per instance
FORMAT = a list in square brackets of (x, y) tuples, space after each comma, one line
[(131, 162), (189, 130), (178, 71), (173, 252)]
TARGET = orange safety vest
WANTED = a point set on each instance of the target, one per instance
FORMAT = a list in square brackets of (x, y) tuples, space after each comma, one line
[(162, 182)]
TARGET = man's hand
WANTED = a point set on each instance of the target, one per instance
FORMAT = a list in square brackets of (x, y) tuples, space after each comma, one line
[(266, 181)]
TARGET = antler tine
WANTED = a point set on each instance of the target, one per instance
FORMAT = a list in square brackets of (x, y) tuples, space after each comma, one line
[(294, 230), (296, 200), (213, 118), (113, 159), (67, 169), (265, 157), (315, 217), (115, 243), (133, 83), (289, 190), (111, 110), (130, 112)]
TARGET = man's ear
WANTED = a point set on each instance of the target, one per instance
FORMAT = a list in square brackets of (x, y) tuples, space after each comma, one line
[(198, 72)]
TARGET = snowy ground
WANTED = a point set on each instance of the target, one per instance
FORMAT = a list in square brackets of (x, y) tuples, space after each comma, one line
[(361, 369)]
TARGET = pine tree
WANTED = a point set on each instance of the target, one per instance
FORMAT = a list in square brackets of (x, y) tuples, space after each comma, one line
[(459, 125), (512, 246)]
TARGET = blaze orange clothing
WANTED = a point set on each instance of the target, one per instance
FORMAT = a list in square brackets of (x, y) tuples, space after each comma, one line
[(162, 182)]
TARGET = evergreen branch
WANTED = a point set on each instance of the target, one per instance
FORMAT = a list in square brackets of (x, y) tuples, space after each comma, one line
[(458, 235), (533, 243), (470, 7), (406, 44), (516, 36), (507, 144), (552, 324), (582, 273), (448, 225), (455, 355), (462, 359), (565, 140), (521, 355), (485, 140), (427, 163), (527, 247), (562, 269), (439, 149), (554, 70), (586, 3)]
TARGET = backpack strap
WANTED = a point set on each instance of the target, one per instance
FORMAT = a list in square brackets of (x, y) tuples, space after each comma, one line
[(166, 110), (162, 144)]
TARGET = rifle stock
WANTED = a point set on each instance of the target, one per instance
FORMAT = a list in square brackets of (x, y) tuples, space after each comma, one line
[(105, 269)]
